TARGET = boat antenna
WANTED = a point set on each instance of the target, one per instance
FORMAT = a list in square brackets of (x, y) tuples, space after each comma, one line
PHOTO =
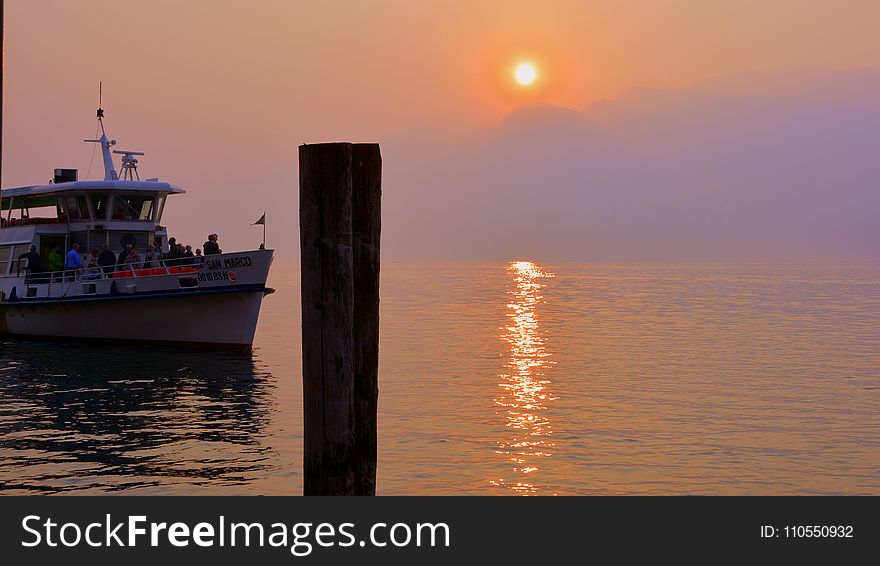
[(100, 100), (109, 170), (97, 128)]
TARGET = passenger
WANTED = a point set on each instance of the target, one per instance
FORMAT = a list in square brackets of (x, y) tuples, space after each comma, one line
[(123, 257), (197, 261), (107, 260), (150, 258), (134, 258), (211, 247), (34, 264), (157, 254), (91, 261), (56, 260), (91, 268), (187, 256), (173, 253), (73, 261)]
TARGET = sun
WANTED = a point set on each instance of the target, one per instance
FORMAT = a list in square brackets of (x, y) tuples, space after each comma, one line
[(525, 74)]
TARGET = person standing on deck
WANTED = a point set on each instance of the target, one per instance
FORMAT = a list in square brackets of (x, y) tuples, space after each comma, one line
[(188, 255), (211, 247), (56, 260), (134, 258), (91, 269), (173, 253), (73, 261), (91, 261), (34, 265), (123, 257), (153, 256), (158, 254), (107, 260)]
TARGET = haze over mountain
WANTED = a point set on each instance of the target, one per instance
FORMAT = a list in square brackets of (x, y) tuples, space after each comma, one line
[(754, 166)]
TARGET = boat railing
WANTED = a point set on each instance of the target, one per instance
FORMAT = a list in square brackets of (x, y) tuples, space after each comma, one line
[(139, 269)]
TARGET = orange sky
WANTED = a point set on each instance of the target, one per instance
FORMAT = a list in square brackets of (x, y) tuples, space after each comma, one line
[(219, 93)]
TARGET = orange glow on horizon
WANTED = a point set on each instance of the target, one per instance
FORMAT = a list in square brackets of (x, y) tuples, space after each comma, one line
[(525, 73)]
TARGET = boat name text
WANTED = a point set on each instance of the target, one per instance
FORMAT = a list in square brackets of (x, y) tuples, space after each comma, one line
[(228, 263)]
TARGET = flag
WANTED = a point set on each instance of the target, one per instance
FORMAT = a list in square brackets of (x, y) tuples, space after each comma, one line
[(261, 221)]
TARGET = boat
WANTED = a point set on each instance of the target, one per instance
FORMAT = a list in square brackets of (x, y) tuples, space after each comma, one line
[(208, 302)]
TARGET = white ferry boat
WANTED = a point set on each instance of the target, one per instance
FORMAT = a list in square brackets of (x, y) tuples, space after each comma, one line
[(213, 301)]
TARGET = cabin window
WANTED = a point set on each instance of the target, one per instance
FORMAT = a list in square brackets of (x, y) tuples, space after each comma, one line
[(160, 208), (89, 289), (35, 210), (99, 206), (76, 208), (132, 207), (31, 292)]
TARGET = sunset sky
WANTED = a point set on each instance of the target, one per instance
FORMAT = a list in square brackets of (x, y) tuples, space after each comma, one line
[(219, 93)]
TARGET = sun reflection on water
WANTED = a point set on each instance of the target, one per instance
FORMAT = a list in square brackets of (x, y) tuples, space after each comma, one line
[(524, 386)]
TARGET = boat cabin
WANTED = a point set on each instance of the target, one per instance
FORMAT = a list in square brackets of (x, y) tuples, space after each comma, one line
[(89, 213), (119, 210), (212, 301)]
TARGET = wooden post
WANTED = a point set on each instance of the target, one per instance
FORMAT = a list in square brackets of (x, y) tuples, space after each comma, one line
[(366, 227), (340, 195), (327, 318)]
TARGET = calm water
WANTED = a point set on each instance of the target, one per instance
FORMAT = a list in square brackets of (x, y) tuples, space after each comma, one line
[(495, 379)]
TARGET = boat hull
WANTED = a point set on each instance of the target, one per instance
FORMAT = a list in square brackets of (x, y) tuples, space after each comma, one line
[(215, 305), (226, 320)]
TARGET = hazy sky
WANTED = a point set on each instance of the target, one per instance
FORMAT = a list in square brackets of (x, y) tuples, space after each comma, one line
[(220, 93)]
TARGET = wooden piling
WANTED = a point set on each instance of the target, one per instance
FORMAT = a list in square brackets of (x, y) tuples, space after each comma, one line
[(340, 195), (327, 318), (366, 162)]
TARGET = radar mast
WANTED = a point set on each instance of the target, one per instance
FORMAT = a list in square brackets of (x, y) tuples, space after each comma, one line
[(109, 170)]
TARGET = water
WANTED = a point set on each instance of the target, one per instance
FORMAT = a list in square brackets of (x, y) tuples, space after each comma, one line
[(495, 379)]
